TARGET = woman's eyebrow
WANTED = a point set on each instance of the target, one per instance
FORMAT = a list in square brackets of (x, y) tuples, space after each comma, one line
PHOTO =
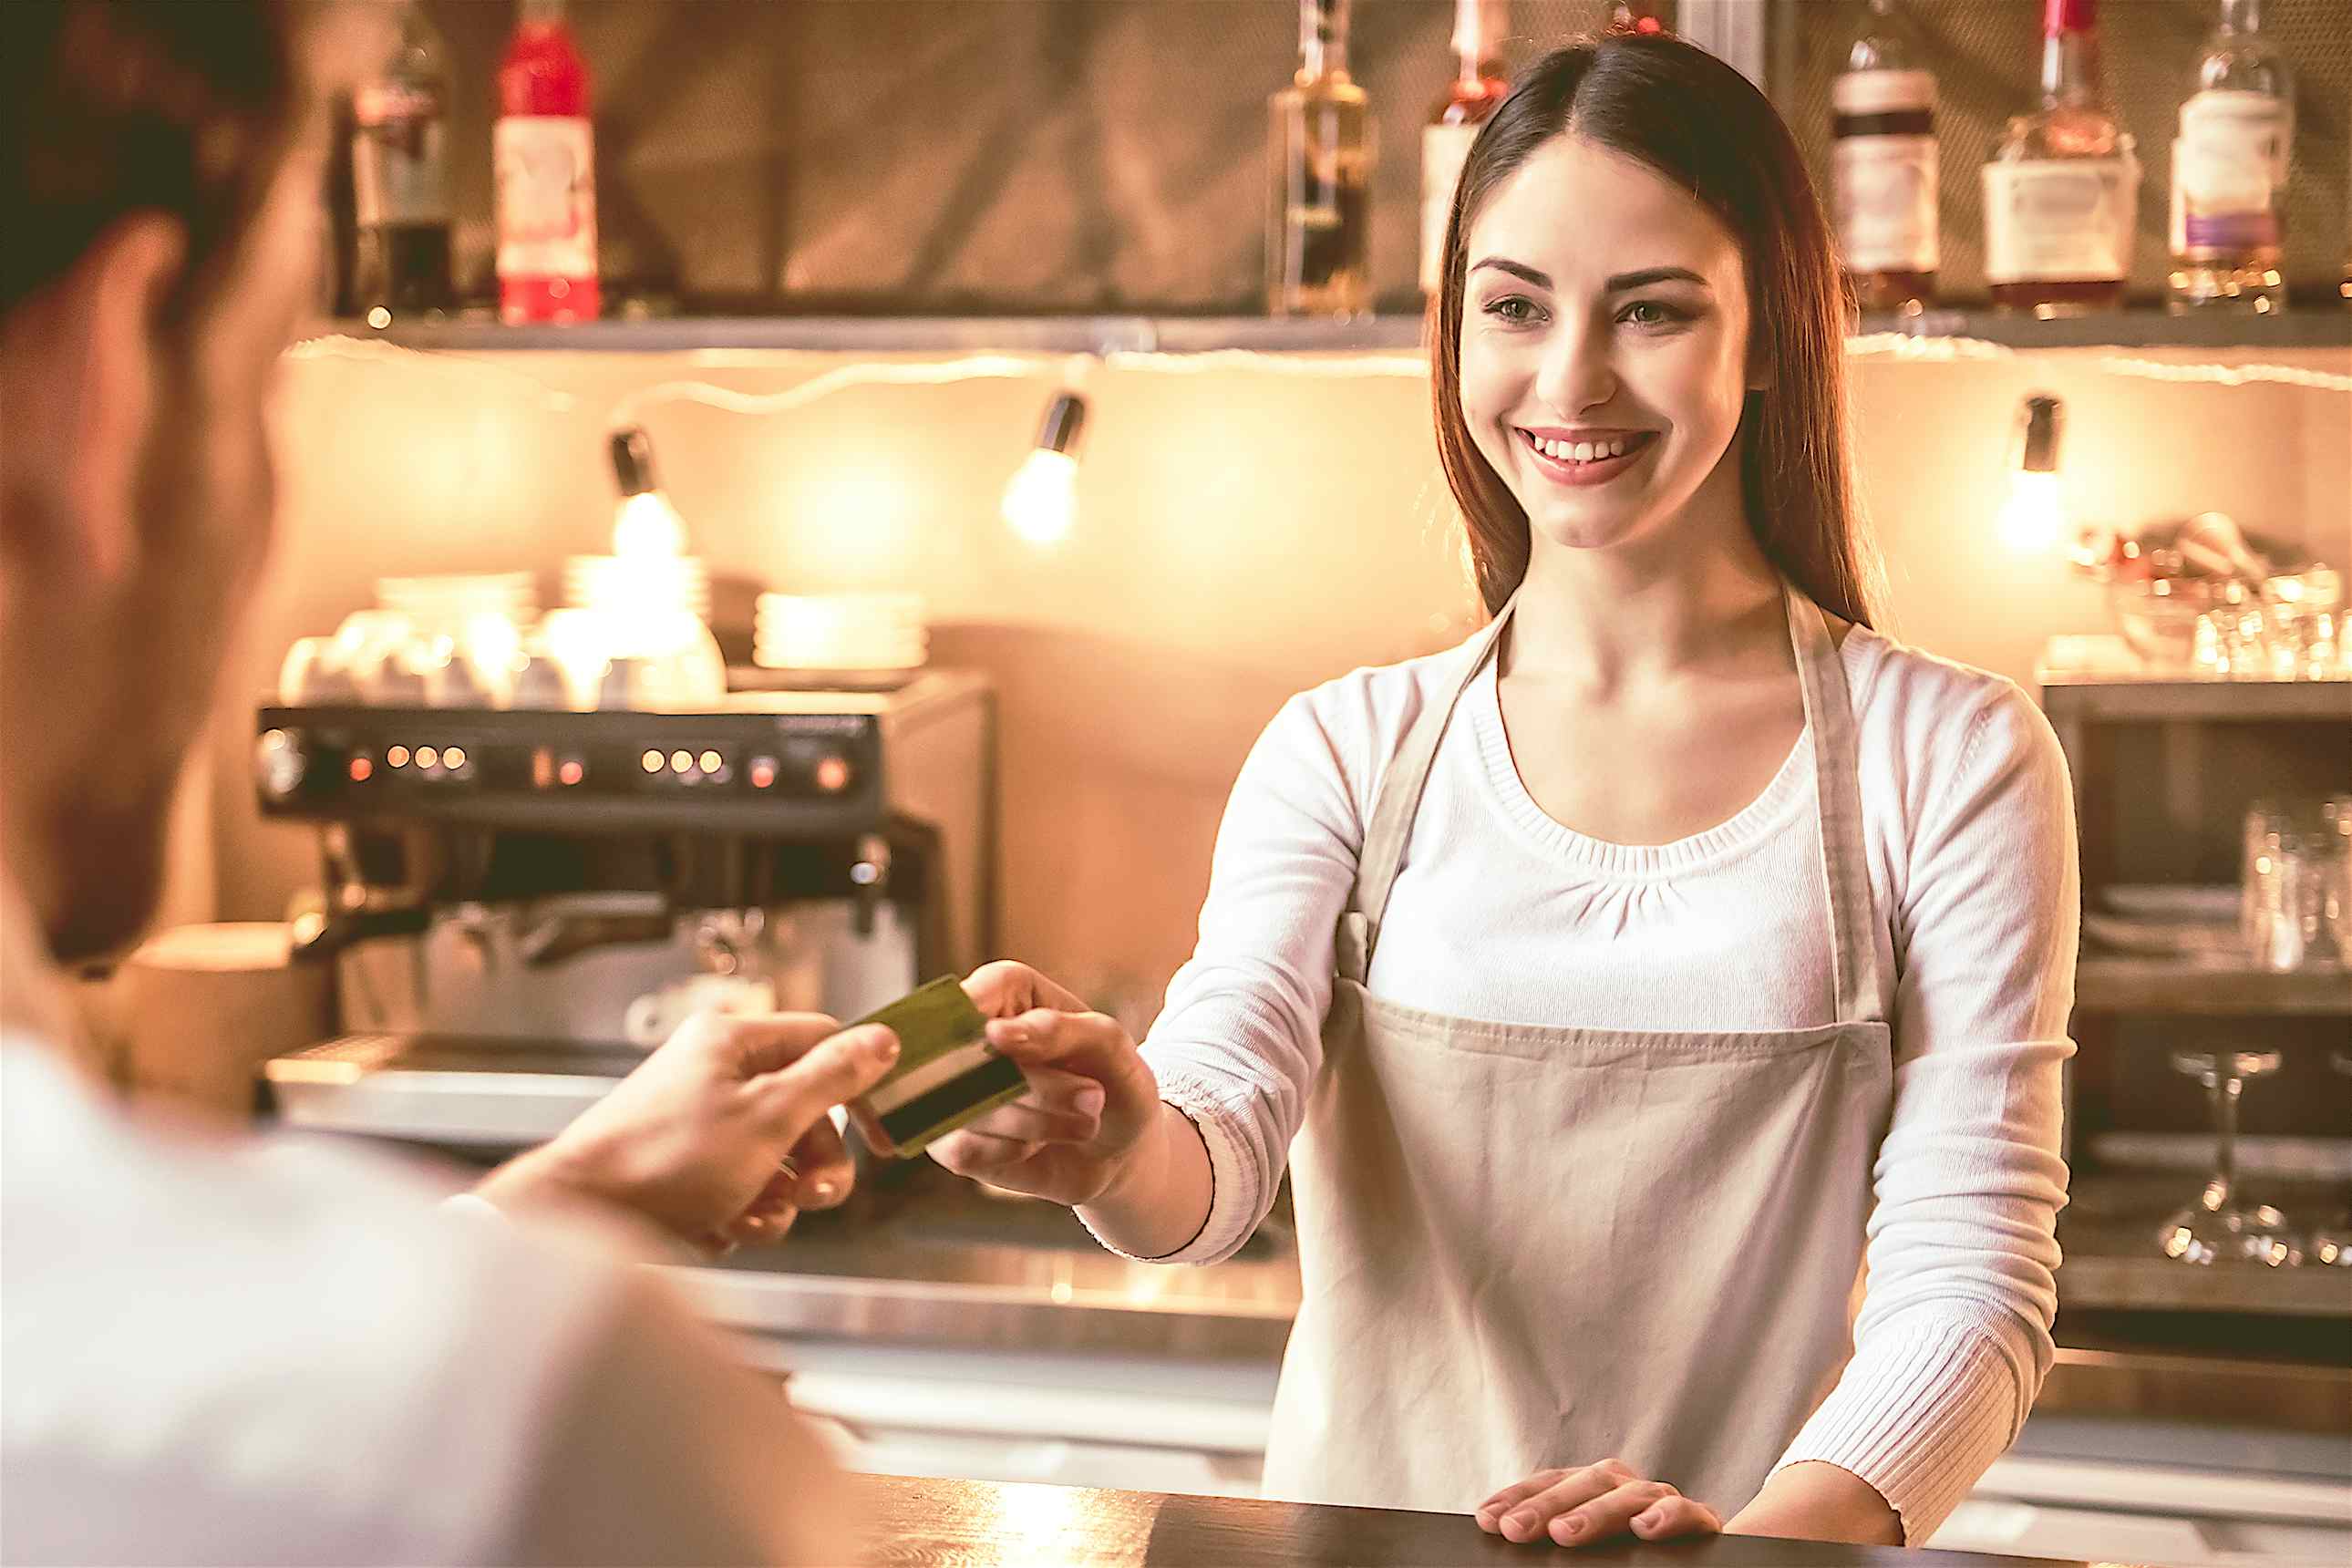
[(1649, 274), (1617, 284), (1518, 269)]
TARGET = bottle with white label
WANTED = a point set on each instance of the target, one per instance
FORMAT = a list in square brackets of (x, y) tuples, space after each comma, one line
[(1477, 90), (2061, 191), (2229, 172), (544, 155), (1883, 167)]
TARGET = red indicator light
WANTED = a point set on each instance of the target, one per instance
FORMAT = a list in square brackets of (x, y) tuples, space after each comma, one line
[(763, 772), (571, 773), (833, 775), (361, 770)]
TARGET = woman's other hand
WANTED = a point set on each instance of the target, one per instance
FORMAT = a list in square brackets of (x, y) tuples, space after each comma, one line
[(1092, 1099), (1593, 1502)]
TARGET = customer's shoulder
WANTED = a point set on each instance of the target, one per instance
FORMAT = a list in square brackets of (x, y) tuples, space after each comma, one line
[(244, 1318)]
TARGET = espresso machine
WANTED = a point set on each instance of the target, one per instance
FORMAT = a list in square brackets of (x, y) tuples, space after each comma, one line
[(519, 903)]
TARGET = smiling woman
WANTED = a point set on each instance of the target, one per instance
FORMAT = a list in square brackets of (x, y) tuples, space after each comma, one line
[(1607, 984), (1748, 275)]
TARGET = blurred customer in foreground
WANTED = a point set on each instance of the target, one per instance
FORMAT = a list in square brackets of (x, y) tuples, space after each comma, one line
[(259, 1351)]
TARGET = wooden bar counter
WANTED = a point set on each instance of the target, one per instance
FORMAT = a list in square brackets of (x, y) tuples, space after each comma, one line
[(913, 1523)]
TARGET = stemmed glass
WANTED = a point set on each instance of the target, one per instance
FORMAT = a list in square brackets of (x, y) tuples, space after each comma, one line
[(2217, 1227), (2331, 1244)]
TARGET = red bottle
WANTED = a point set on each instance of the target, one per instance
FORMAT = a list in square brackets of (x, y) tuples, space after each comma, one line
[(544, 154)]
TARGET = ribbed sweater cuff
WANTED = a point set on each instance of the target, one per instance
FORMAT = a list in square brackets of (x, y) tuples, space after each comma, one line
[(1234, 1208), (1920, 1414)]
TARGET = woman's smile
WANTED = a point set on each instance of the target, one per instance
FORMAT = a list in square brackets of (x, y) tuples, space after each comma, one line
[(1584, 456)]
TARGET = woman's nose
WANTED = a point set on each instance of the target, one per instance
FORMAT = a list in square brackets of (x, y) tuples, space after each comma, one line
[(1576, 374)]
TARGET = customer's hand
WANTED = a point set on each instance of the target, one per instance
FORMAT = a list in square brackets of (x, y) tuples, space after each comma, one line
[(697, 1139), (1091, 1096), (1606, 1501)]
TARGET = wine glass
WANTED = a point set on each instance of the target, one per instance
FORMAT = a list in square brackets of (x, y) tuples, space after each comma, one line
[(2217, 1227), (2331, 1244)]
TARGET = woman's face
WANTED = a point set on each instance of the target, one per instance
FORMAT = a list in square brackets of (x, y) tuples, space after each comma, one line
[(1604, 346)]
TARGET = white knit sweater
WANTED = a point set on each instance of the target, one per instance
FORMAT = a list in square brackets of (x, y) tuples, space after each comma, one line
[(1502, 914)]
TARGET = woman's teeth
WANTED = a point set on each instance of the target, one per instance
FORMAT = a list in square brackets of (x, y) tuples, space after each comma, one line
[(1579, 451)]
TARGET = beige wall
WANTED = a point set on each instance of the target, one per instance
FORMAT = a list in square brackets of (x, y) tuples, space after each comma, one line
[(1245, 530)]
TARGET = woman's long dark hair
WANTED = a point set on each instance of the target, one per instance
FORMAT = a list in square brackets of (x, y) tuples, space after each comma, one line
[(1704, 126)]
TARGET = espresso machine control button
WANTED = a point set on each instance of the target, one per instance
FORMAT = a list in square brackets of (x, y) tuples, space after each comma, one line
[(280, 765)]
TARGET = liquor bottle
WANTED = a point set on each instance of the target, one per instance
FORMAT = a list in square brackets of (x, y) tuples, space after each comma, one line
[(400, 163), (2062, 192), (1477, 90), (1883, 135), (1318, 242), (2229, 172), (544, 153)]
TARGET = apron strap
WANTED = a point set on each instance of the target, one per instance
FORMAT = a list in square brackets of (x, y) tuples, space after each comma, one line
[(1394, 805), (1846, 865)]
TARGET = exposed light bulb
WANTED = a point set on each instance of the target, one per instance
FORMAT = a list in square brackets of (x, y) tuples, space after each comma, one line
[(2033, 520), (647, 524), (1041, 501)]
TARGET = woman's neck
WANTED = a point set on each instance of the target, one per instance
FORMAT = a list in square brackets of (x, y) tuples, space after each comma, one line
[(1696, 594)]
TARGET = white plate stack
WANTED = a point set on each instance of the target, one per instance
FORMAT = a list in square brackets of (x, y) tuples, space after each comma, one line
[(624, 584), (841, 639)]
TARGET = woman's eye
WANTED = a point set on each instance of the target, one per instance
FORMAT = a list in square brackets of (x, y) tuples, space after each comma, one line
[(1650, 314), (1514, 309)]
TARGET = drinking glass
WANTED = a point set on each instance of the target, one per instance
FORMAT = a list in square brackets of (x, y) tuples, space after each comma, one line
[(2331, 1244), (2217, 1227)]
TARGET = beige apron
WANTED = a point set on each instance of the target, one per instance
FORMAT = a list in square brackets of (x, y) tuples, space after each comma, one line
[(1525, 1245)]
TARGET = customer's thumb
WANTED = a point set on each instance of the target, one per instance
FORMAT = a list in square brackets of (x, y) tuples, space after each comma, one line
[(839, 1068)]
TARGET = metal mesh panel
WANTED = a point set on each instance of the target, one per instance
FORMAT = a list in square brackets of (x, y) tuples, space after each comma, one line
[(1986, 56)]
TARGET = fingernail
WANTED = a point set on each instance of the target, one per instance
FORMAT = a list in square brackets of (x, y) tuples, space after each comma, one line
[(1566, 1529), (1647, 1520), (821, 1190), (1521, 1521), (1089, 1101), (882, 1045)]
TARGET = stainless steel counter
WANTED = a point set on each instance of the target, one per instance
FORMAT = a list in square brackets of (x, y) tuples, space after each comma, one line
[(933, 1263)]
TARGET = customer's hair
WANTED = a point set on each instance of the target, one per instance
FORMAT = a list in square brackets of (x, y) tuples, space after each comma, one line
[(110, 107), (1705, 127)]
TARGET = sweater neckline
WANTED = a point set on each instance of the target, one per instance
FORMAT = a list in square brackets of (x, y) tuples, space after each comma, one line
[(1791, 787)]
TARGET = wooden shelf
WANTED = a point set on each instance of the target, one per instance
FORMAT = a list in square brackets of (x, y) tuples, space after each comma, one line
[(2132, 982), (477, 332), (2108, 1234), (2088, 1281), (2107, 698), (474, 333), (2320, 325)]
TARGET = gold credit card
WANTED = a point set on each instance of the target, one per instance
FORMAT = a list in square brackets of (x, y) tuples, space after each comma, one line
[(947, 1076)]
